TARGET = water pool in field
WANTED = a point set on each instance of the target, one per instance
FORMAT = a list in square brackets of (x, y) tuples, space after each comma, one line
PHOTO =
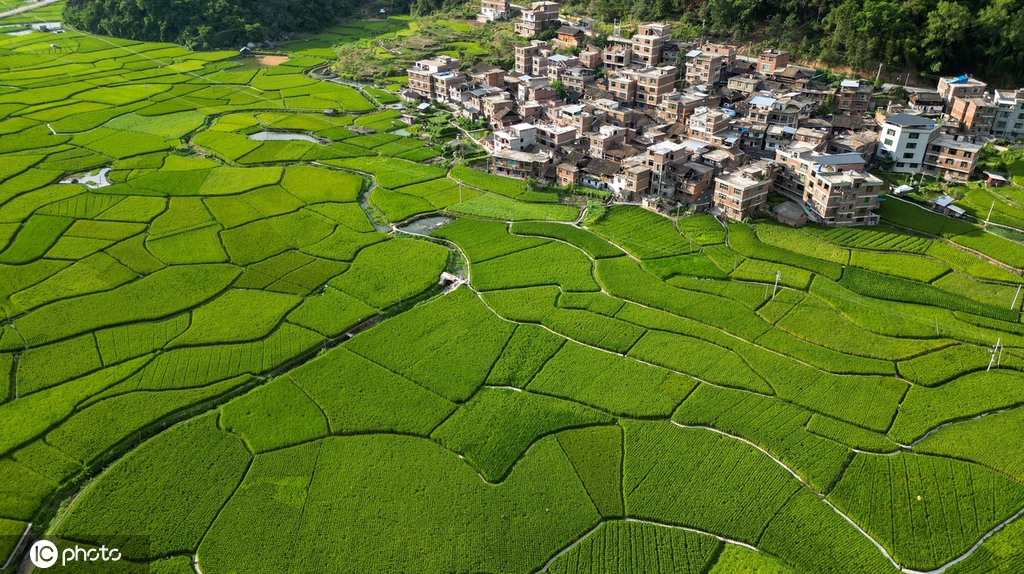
[(279, 136), (425, 225)]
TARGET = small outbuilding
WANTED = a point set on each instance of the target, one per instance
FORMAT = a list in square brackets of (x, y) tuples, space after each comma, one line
[(994, 179), (791, 214)]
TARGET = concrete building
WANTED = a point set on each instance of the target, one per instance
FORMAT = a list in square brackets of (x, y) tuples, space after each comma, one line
[(843, 197), (540, 16), (905, 138), (741, 192), (708, 125), (676, 107), (653, 84), (516, 138), (527, 55), (960, 87), (632, 182), (853, 97), (520, 164), (951, 159), (833, 187), (976, 115), (769, 61), (926, 102), (616, 56), (1009, 121), (705, 69), (649, 42), (492, 10), (432, 77)]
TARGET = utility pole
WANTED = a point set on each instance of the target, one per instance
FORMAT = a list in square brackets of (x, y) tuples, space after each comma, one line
[(936, 325), (879, 74), (778, 275), (1017, 294), (989, 216), (998, 349)]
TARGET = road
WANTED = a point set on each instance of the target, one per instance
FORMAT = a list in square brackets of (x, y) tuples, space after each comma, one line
[(27, 7)]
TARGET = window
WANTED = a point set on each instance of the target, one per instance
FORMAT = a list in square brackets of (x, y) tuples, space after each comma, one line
[(890, 132), (909, 155), (963, 164), (913, 136), (888, 143), (911, 145)]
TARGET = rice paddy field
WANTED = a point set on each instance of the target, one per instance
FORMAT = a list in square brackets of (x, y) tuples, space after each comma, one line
[(213, 359)]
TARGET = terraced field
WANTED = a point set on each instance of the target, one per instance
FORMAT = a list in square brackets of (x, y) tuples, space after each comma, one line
[(220, 353)]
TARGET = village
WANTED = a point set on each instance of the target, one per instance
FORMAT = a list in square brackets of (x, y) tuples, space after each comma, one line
[(721, 133)]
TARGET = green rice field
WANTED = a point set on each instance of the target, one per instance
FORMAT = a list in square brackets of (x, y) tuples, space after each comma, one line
[(213, 358)]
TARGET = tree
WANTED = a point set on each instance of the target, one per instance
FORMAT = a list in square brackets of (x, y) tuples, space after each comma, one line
[(945, 37), (559, 88)]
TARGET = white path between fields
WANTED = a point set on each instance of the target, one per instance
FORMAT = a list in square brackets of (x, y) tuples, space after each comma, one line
[(27, 7)]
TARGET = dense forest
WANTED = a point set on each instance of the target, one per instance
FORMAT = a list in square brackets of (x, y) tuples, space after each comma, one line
[(981, 37), (204, 23)]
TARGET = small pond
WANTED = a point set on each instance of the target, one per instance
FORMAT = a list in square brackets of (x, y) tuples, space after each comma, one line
[(426, 225), (278, 136)]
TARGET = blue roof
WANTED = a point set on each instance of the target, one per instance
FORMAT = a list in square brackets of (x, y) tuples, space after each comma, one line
[(762, 101)]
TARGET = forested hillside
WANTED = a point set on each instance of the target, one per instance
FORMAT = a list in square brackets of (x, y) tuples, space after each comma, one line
[(982, 37), (204, 23)]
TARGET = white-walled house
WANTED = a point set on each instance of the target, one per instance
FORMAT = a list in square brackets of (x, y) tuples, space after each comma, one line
[(905, 138)]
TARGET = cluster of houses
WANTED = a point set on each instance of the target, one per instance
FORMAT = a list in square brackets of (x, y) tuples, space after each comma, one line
[(719, 133)]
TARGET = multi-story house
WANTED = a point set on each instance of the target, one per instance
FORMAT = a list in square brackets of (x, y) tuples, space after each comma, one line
[(1009, 121), (537, 18), (622, 86), (705, 69), (424, 76), (525, 56), (557, 64), (520, 164), (853, 97), (617, 56), (950, 158), (741, 192), (726, 51), (975, 115), (778, 112), (709, 125), (660, 158), (630, 183), (491, 10), (839, 197), (516, 138), (960, 87), (591, 57), (693, 181), (648, 43), (575, 79), (834, 187), (653, 84), (554, 137), (746, 83), (487, 75), (606, 138), (904, 138), (771, 60), (676, 107), (799, 160), (926, 102)]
